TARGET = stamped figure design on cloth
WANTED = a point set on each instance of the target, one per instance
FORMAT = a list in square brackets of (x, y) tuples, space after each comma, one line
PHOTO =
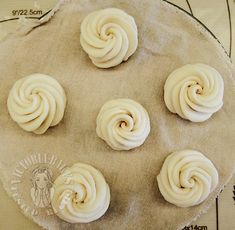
[(41, 183), (32, 180)]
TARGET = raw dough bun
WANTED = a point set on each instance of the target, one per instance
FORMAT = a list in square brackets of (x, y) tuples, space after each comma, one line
[(109, 36), (187, 178), (36, 102), (80, 194), (123, 123), (194, 92)]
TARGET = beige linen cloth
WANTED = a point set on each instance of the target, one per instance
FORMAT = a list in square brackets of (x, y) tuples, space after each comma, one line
[(168, 39)]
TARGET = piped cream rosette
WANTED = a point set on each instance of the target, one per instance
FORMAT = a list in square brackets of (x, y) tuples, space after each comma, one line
[(194, 92), (80, 194), (123, 123), (187, 178), (36, 102), (109, 36)]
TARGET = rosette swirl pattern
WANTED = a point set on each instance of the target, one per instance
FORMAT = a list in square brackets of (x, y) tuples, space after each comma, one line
[(80, 194), (109, 36), (36, 102), (187, 178), (123, 123), (194, 92)]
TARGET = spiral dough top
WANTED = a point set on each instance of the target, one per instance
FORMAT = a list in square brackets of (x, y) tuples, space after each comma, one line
[(109, 36), (80, 194), (187, 178), (194, 92), (36, 102), (123, 123)]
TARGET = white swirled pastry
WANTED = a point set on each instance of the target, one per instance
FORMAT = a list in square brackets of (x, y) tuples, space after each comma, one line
[(123, 123), (187, 178), (194, 92), (36, 102), (80, 194), (109, 36)]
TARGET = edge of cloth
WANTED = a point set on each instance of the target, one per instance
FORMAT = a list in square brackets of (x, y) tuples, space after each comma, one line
[(25, 29), (206, 33)]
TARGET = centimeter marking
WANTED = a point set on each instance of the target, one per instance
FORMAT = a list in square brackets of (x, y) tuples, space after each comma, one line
[(11, 19), (26, 12)]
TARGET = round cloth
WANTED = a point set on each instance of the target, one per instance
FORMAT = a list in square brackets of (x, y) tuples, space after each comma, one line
[(167, 40)]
